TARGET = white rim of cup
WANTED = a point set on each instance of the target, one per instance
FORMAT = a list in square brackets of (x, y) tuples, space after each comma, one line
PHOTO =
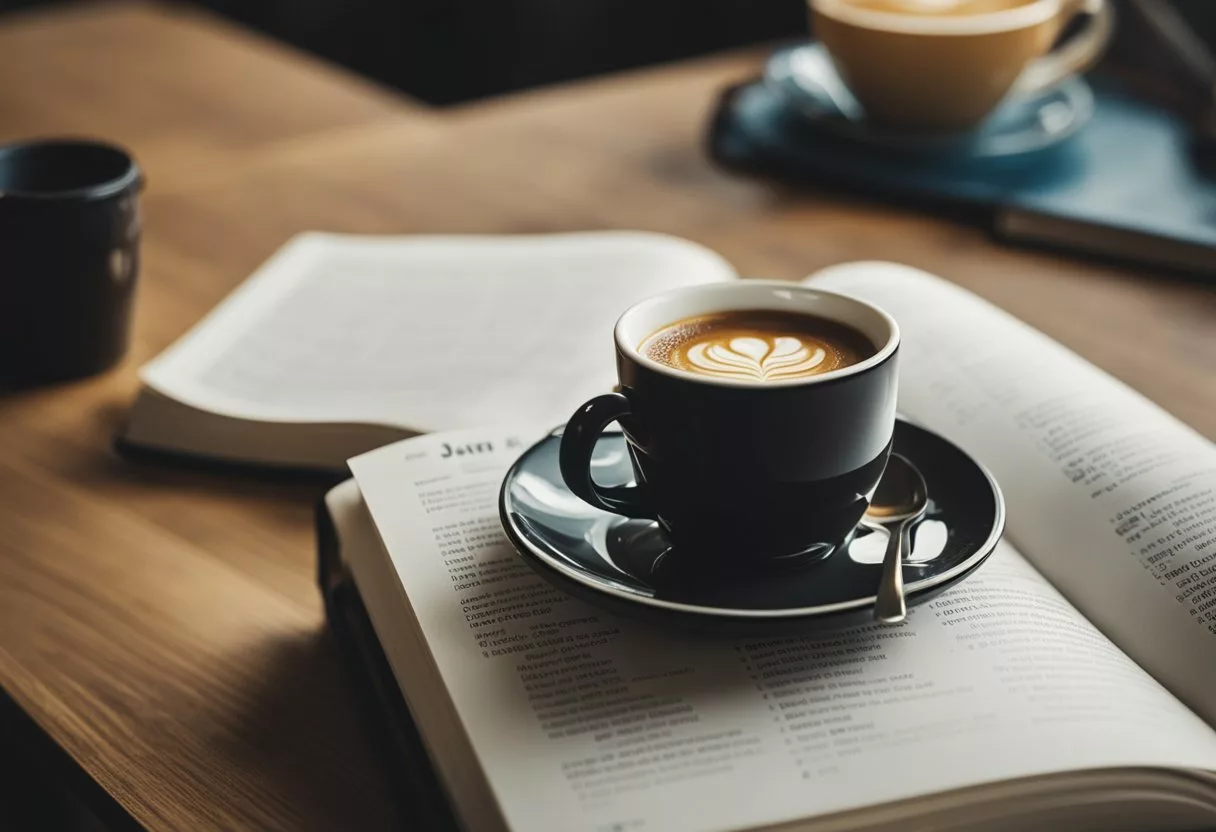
[(633, 350), (911, 23)]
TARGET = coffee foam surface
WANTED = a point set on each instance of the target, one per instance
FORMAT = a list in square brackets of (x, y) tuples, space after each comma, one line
[(939, 7), (938, 17), (717, 347)]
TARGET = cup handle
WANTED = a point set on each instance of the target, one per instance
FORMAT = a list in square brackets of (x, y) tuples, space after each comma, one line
[(1076, 54), (578, 443)]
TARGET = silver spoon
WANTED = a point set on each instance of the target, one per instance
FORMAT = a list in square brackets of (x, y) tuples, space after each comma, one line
[(900, 500)]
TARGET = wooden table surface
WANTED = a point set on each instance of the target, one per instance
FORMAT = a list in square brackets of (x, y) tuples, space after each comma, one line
[(162, 627)]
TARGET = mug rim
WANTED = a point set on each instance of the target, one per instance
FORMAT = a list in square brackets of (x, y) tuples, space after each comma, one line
[(128, 178), (880, 356), (909, 23)]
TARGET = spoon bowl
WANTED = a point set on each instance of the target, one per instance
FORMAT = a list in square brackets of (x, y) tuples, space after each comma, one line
[(900, 500)]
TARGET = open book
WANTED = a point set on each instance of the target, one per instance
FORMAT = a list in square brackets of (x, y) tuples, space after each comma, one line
[(343, 343), (1069, 684)]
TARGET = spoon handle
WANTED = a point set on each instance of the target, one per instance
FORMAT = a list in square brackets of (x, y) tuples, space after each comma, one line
[(890, 606)]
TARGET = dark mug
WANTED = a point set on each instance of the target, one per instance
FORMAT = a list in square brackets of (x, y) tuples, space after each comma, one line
[(69, 249), (743, 471)]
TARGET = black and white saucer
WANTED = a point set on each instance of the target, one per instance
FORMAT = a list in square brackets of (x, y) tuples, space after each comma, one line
[(806, 80), (627, 566)]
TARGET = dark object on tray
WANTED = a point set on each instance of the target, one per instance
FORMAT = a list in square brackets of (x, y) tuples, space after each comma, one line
[(1168, 62)]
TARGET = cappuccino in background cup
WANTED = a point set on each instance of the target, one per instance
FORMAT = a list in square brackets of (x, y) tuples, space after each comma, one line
[(758, 418), (941, 65)]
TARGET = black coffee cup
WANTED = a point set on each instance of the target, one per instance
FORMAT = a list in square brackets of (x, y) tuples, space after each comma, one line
[(743, 471), (69, 256)]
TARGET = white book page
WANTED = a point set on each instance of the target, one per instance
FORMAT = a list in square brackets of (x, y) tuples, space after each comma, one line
[(1113, 499), (425, 333), (585, 721)]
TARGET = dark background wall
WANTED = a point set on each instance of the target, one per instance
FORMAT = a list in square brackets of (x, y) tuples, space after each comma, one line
[(446, 51), (450, 50)]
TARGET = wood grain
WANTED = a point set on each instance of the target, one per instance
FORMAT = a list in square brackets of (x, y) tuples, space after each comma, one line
[(162, 626), (194, 96)]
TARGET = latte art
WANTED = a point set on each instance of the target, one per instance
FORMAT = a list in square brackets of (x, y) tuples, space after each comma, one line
[(759, 346), (761, 359)]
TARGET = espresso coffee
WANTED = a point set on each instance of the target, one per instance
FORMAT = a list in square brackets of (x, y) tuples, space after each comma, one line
[(757, 345)]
